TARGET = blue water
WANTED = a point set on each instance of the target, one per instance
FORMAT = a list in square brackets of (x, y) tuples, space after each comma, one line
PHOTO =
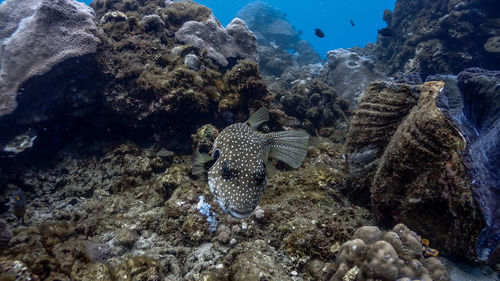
[(332, 17)]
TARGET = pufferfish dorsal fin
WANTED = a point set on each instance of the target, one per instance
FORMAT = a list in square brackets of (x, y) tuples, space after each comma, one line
[(288, 146), (200, 159), (260, 116)]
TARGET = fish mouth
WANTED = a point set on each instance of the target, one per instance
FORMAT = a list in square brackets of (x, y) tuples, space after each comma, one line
[(240, 213)]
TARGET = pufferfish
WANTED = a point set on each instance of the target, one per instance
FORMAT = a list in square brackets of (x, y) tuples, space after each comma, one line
[(237, 178)]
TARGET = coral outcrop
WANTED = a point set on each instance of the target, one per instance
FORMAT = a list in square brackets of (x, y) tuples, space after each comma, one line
[(406, 157), (162, 64), (26, 50), (43, 77), (350, 73), (389, 255), (232, 43), (431, 37)]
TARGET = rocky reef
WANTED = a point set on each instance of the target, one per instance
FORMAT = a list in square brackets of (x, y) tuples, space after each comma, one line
[(100, 137), (430, 37), (32, 63)]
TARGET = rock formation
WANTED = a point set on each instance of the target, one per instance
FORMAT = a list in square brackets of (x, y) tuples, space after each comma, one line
[(26, 51), (431, 37), (405, 156), (232, 43)]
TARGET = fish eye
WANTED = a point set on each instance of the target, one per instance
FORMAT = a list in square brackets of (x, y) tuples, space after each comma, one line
[(216, 154), (227, 171)]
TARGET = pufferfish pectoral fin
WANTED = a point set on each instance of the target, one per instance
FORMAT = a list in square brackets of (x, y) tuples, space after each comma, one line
[(199, 162), (260, 116), (288, 146)]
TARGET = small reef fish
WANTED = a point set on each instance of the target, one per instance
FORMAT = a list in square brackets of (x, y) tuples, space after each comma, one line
[(319, 33), (352, 23), (19, 204), (237, 178)]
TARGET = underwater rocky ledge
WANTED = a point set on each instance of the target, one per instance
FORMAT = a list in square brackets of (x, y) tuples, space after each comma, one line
[(99, 123)]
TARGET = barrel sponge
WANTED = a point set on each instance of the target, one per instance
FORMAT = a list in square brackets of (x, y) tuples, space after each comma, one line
[(36, 35), (381, 262)]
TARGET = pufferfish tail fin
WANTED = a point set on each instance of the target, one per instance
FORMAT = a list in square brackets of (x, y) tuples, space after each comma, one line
[(260, 116), (288, 146)]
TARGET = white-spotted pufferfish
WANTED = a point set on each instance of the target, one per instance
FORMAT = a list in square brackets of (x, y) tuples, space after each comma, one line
[(237, 179)]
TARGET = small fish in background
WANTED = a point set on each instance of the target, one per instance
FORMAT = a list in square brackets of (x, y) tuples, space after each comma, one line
[(319, 33), (237, 178), (352, 23), (19, 204), (386, 32)]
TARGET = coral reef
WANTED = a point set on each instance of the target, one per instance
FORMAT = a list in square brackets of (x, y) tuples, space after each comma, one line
[(405, 155), (349, 73), (389, 255), (431, 37), (155, 82), (135, 211), (232, 43), (100, 141), (44, 75), (73, 34), (319, 105)]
